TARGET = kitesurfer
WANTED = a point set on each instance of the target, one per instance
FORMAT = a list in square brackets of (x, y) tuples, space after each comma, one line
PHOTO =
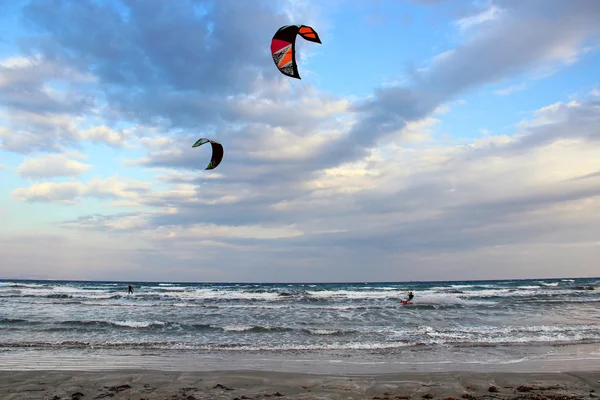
[(130, 289), (410, 296)]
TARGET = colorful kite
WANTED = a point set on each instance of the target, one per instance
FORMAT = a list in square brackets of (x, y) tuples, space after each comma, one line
[(217, 151), (283, 47)]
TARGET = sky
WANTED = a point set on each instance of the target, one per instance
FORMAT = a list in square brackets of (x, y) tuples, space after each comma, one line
[(426, 140)]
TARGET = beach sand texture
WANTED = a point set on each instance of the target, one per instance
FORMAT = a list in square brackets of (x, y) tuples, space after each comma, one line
[(159, 385)]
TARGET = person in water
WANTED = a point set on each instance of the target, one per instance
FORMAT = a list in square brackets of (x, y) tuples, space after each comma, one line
[(410, 296), (130, 289)]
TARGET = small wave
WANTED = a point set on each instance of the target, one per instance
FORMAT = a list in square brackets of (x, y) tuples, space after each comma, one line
[(329, 331), (17, 321), (166, 325), (112, 324), (168, 345), (58, 296), (375, 346), (253, 329), (23, 285)]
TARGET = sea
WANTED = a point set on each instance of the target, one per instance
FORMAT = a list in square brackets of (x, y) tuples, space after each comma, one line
[(538, 324)]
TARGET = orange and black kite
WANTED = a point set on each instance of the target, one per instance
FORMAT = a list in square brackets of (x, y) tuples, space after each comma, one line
[(283, 47)]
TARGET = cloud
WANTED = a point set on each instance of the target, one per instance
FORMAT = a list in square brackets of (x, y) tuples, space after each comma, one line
[(571, 120), (511, 89), (114, 188), (41, 99), (521, 41), (167, 52), (170, 92), (310, 182), (25, 85), (51, 166), (489, 14), (138, 61), (127, 193), (104, 134), (59, 192), (445, 199), (27, 132), (130, 222)]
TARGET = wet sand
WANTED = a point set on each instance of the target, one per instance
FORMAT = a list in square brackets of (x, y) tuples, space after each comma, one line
[(160, 385)]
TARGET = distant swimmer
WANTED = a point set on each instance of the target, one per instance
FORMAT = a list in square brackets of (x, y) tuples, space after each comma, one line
[(130, 289)]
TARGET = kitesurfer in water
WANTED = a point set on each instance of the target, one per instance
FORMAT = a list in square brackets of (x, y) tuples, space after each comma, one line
[(410, 296), (130, 289)]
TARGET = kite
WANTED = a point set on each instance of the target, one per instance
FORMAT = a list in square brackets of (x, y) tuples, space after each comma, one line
[(217, 152), (283, 47)]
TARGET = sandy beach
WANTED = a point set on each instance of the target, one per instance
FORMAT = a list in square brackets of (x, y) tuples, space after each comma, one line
[(146, 384)]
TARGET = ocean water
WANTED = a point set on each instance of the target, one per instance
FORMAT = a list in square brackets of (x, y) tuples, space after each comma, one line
[(249, 325)]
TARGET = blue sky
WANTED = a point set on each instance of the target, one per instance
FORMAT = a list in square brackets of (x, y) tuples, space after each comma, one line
[(427, 140)]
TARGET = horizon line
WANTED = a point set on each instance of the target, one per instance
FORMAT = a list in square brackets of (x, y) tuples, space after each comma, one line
[(294, 283)]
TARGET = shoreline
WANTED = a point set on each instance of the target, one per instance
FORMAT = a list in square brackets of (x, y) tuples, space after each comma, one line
[(251, 384), (575, 357)]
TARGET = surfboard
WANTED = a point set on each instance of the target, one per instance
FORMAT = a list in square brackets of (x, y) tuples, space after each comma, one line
[(405, 302)]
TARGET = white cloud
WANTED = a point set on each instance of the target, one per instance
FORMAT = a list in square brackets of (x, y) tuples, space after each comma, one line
[(71, 192), (491, 13), (549, 114), (511, 89), (50, 166), (212, 231), (103, 134), (58, 192), (29, 131), (114, 188), (281, 144), (443, 56)]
